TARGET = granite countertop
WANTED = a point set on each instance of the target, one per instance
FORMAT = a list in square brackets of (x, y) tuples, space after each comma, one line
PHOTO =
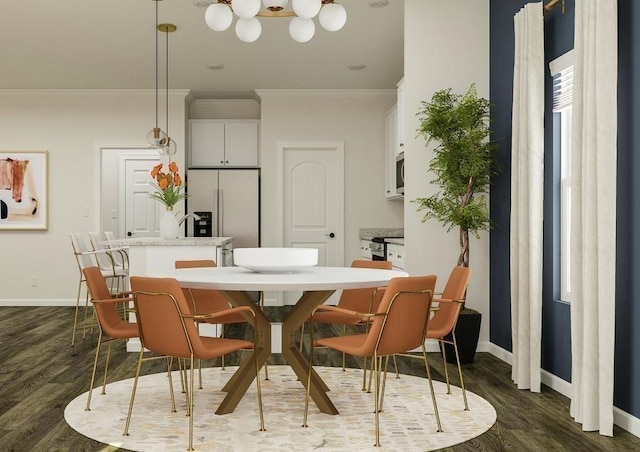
[(369, 233), (182, 241)]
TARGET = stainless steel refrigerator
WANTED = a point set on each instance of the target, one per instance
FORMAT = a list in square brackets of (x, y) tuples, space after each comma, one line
[(230, 199)]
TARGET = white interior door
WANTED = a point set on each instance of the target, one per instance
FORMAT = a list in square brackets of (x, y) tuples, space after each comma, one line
[(313, 200), (141, 218)]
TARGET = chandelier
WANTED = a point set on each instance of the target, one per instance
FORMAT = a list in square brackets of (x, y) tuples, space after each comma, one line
[(219, 16)]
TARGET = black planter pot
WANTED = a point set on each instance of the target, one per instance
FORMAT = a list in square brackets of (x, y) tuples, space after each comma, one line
[(467, 333)]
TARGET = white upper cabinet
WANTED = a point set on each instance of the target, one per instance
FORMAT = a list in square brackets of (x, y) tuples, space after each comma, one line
[(400, 114), (215, 143), (390, 153)]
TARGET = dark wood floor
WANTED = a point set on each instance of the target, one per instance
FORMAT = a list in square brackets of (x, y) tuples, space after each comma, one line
[(40, 373)]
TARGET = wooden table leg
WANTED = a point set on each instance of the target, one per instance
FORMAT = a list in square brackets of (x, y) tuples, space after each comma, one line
[(238, 384), (298, 362)]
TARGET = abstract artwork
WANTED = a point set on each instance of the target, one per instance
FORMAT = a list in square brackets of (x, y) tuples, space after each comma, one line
[(23, 190)]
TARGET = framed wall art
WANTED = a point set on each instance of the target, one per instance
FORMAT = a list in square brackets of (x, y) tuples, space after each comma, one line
[(24, 197)]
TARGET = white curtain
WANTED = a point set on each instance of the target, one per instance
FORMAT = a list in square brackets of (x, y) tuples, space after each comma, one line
[(527, 177), (593, 214)]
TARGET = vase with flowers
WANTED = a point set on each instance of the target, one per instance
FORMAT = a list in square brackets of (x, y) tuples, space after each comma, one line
[(169, 190)]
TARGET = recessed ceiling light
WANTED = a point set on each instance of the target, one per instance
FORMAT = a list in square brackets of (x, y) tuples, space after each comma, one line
[(215, 67), (356, 67), (378, 3)]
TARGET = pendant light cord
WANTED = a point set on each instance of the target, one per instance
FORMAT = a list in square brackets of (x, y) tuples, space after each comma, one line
[(167, 91), (156, 64)]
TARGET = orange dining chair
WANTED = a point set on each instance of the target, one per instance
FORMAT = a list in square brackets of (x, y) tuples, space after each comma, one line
[(398, 325), (207, 301), (443, 322), (112, 327), (358, 300), (168, 329)]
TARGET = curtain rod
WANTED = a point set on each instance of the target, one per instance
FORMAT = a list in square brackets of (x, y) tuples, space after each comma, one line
[(552, 4)]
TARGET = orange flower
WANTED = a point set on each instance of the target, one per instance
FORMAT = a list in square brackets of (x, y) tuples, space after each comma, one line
[(173, 168), (156, 170), (163, 183), (177, 181)]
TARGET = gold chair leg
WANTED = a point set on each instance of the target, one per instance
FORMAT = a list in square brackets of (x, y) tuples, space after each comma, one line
[(93, 374), (395, 364), (384, 381), (376, 376), (344, 355), (170, 376), (433, 394), (302, 337), (444, 364), (190, 404), (200, 373), (75, 316), (106, 367), (133, 393), (86, 311), (266, 367), (222, 336), (364, 373), (464, 393)]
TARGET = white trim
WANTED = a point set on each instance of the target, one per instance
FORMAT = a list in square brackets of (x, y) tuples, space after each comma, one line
[(9, 302), (326, 93), (621, 418), (562, 63), (89, 94)]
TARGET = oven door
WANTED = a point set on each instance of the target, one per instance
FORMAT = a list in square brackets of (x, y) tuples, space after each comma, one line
[(377, 251)]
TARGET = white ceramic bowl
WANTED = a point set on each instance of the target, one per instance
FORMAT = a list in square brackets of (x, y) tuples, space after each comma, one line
[(275, 260)]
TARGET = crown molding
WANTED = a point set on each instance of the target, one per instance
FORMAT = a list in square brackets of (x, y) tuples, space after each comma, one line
[(326, 93), (90, 94)]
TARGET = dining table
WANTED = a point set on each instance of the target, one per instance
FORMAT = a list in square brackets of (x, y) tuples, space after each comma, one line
[(317, 285)]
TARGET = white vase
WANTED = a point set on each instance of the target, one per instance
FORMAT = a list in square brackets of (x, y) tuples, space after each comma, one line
[(169, 226)]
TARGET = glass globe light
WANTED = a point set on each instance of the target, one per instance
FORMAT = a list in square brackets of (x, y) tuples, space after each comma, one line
[(306, 9), (332, 17), (168, 146), (274, 5), (155, 137), (218, 16), (248, 30), (246, 9), (301, 30)]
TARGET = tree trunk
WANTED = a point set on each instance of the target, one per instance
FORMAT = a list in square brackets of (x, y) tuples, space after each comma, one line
[(463, 259)]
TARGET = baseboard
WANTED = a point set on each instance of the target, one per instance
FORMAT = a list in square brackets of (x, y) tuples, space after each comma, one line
[(37, 302), (621, 418)]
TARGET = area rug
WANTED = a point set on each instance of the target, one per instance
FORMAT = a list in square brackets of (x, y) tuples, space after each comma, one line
[(407, 422)]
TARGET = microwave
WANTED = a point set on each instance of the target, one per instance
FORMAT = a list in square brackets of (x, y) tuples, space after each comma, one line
[(400, 173)]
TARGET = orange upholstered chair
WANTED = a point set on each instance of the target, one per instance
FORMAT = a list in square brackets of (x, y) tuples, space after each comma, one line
[(112, 326), (443, 323), (398, 325), (168, 329), (357, 300)]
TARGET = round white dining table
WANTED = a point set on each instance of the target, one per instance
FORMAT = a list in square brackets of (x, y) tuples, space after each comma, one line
[(317, 285)]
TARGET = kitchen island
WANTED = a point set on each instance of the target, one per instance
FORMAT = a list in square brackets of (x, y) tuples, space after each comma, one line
[(153, 254)]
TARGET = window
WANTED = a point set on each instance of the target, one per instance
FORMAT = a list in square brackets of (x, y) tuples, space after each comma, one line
[(562, 72)]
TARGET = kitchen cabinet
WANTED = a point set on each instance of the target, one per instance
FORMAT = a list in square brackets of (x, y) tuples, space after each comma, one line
[(365, 250), (395, 254), (400, 118), (215, 143), (391, 133)]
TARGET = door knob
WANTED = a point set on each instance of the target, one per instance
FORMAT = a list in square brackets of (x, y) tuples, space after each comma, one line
[(332, 235), (129, 234)]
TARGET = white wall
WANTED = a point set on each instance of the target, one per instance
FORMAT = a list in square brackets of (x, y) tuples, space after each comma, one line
[(446, 46), (354, 117), (71, 125)]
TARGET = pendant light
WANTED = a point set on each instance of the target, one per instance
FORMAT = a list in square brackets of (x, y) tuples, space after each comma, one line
[(156, 135), (168, 145)]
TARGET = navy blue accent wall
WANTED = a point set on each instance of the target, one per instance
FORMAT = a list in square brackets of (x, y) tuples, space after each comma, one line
[(556, 345), (627, 354)]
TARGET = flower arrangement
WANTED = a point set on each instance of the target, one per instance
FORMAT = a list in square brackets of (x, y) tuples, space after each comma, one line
[(168, 185)]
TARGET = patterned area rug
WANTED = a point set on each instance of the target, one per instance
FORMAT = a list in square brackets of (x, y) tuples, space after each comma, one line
[(407, 422)]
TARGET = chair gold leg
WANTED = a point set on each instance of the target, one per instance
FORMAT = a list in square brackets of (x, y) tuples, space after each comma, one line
[(433, 394), (395, 364), (464, 393), (93, 374), (170, 376), (384, 381), (258, 385), (222, 336), (106, 367), (190, 404), (133, 393), (266, 368), (364, 373), (344, 355), (444, 364), (376, 376), (75, 316), (200, 374), (302, 337)]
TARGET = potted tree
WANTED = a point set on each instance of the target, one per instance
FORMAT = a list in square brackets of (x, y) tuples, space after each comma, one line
[(463, 165)]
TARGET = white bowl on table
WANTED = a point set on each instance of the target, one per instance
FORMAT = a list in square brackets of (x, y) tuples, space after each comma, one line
[(275, 260)]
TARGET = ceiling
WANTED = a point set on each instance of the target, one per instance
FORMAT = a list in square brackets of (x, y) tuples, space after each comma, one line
[(110, 44)]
